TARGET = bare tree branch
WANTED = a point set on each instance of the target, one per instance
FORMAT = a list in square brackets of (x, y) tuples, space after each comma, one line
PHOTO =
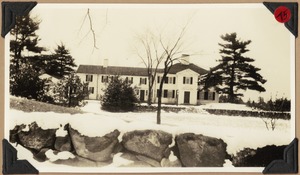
[(91, 28)]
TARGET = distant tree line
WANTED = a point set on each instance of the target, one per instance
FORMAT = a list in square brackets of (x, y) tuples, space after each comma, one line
[(28, 61), (279, 104)]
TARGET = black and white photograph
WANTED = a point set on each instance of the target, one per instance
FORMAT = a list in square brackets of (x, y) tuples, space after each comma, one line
[(150, 87)]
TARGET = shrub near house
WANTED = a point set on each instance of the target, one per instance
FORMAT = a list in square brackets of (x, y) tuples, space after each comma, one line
[(118, 96)]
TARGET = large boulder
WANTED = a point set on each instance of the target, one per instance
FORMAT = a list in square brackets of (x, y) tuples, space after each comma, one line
[(63, 140), (200, 151), (63, 143), (94, 148), (260, 157), (37, 138), (150, 143)]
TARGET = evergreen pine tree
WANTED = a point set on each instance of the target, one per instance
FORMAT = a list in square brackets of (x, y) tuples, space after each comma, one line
[(118, 96), (234, 71), (70, 91), (27, 84), (24, 76), (23, 37), (60, 63)]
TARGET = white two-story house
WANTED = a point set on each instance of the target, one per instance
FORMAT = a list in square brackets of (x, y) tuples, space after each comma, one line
[(180, 87)]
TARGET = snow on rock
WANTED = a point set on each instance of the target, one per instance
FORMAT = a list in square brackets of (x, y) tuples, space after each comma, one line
[(93, 125), (120, 161), (64, 155), (237, 132), (228, 163), (61, 132), (45, 120), (172, 157)]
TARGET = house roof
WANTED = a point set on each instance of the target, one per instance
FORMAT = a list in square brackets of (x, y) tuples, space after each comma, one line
[(112, 70), (135, 71), (180, 67)]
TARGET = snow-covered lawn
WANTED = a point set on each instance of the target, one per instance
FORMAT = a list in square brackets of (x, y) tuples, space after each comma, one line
[(237, 132)]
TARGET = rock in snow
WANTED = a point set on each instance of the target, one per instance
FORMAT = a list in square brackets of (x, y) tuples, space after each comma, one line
[(63, 143), (150, 143), (94, 148), (63, 140), (260, 157), (37, 138), (201, 151)]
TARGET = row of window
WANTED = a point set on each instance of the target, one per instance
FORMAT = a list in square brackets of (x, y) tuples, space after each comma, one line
[(172, 94), (105, 79), (167, 80), (206, 95), (167, 93)]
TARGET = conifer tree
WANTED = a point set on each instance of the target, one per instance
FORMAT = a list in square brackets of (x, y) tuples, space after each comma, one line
[(61, 62), (24, 75), (70, 91), (24, 37), (118, 96), (234, 71)]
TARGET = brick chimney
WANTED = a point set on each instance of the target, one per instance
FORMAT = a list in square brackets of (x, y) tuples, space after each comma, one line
[(105, 63), (185, 59)]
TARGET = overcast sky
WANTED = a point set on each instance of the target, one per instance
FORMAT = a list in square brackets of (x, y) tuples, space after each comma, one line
[(116, 27)]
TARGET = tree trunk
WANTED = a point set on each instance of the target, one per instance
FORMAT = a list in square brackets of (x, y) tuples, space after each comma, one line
[(158, 117), (70, 98), (231, 92), (150, 86)]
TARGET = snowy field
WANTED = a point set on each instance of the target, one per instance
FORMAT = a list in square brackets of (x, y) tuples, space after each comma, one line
[(237, 132)]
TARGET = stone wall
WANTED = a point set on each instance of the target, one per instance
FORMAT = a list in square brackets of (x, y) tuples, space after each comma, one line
[(153, 148), (139, 148), (266, 114)]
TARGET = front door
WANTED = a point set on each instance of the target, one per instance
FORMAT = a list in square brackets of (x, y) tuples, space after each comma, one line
[(187, 97), (142, 95)]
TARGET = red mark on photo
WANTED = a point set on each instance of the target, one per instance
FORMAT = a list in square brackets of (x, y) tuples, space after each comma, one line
[(282, 14)]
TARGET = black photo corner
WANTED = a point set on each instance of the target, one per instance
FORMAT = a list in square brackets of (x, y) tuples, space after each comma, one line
[(11, 164)]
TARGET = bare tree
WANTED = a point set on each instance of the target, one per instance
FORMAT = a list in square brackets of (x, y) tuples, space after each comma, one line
[(173, 51), (270, 121), (151, 57), (157, 50)]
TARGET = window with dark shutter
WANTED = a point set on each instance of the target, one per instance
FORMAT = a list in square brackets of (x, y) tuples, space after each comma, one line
[(205, 95), (191, 80), (214, 95), (173, 94), (89, 78), (86, 78), (174, 80), (166, 80), (91, 90), (145, 80), (140, 80), (183, 80), (165, 93)]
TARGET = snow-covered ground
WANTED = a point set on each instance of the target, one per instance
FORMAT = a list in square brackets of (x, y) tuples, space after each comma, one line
[(237, 132)]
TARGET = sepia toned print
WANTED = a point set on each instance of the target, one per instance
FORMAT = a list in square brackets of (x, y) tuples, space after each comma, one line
[(150, 88)]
